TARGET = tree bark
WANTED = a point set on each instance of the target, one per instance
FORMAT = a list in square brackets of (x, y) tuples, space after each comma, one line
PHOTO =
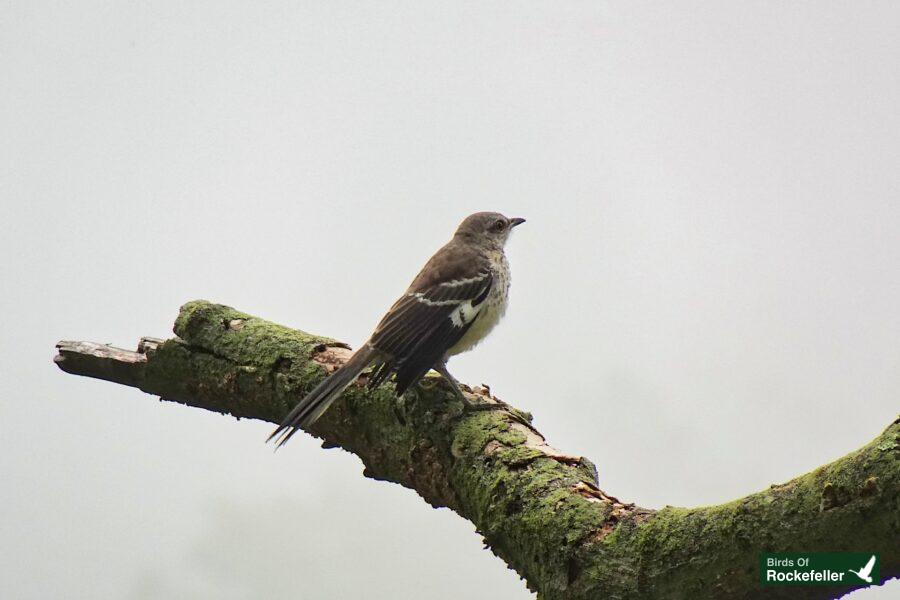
[(539, 510)]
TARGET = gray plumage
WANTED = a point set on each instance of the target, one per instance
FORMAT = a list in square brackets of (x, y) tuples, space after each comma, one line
[(457, 298)]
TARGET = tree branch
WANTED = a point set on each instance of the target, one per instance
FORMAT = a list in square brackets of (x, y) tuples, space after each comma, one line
[(539, 510)]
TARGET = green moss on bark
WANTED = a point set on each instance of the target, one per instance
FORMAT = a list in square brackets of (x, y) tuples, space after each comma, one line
[(540, 512)]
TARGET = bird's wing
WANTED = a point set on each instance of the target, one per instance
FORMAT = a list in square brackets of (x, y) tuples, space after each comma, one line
[(431, 315), (439, 306), (868, 568)]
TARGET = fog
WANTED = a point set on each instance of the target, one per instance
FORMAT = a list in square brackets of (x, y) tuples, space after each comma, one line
[(704, 298)]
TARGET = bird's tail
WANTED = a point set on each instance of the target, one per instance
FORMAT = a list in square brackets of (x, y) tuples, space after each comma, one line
[(308, 410)]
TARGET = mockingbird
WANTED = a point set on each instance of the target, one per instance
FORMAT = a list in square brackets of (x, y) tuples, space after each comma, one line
[(452, 304)]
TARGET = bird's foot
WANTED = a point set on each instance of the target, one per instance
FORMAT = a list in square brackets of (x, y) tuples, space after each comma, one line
[(496, 404), (492, 403)]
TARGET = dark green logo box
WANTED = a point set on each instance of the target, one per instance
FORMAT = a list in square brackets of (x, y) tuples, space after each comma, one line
[(820, 568)]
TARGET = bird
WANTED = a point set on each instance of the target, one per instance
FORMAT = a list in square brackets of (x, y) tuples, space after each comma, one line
[(454, 302), (866, 572)]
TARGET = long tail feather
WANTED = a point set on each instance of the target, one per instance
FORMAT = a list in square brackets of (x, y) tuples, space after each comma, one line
[(308, 410)]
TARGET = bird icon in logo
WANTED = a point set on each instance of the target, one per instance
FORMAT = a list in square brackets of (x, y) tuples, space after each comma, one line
[(866, 572)]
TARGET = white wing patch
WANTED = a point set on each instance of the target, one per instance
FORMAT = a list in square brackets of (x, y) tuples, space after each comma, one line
[(464, 314)]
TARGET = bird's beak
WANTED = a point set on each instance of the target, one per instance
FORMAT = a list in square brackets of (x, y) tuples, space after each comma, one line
[(516, 221)]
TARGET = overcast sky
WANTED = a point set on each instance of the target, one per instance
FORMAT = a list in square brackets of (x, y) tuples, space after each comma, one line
[(704, 301)]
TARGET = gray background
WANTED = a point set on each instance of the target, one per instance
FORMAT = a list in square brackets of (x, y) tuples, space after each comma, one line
[(704, 297)]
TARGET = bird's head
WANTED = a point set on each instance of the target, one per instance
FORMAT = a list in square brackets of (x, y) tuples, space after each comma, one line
[(488, 228)]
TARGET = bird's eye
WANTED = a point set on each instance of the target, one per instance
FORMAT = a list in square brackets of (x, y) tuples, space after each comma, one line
[(498, 225)]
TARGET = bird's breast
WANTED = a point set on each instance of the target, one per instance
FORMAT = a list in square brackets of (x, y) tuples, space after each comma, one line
[(492, 310)]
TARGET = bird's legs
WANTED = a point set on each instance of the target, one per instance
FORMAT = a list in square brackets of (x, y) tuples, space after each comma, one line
[(441, 368)]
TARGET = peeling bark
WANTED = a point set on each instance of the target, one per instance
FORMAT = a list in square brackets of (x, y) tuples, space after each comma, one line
[(540, 510)]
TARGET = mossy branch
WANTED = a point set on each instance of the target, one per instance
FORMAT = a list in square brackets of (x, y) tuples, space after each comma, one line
[(539, 510)]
